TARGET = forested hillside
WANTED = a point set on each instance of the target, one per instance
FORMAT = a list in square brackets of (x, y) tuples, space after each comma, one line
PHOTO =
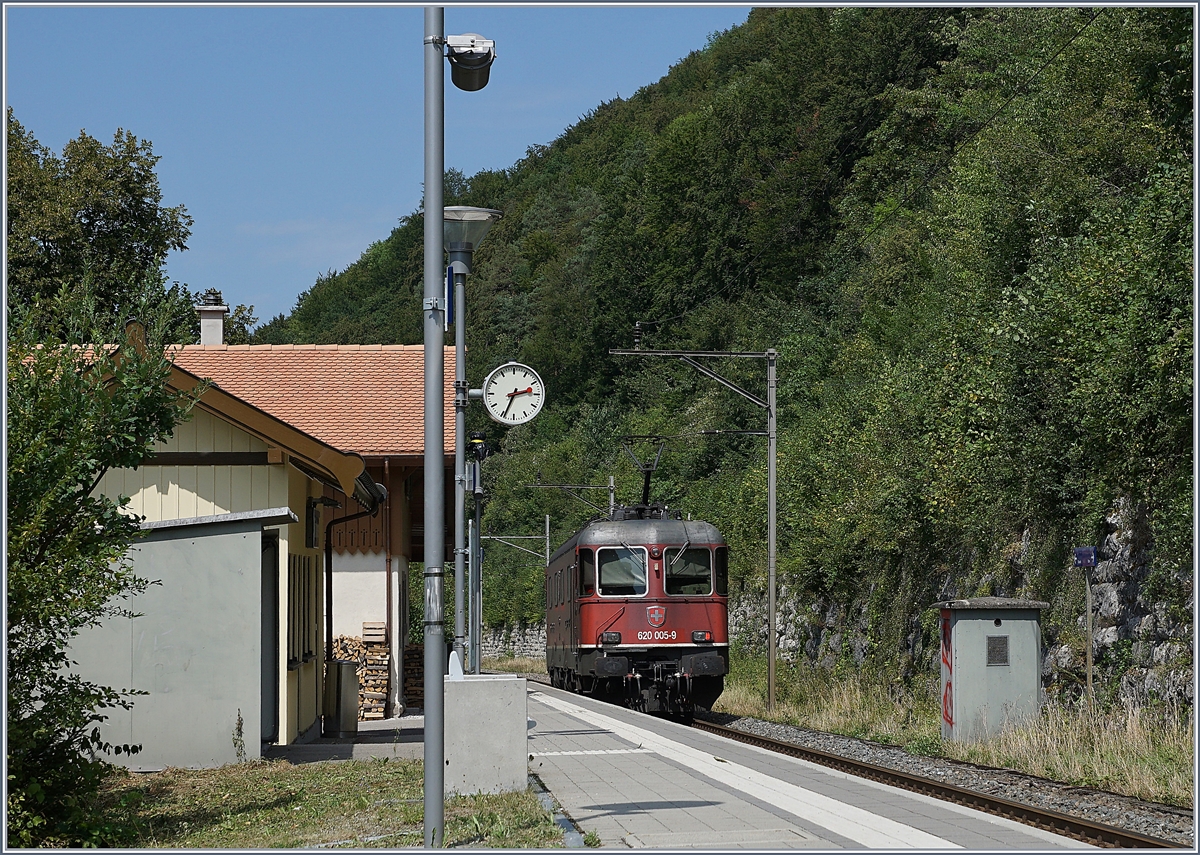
[(969, 236)]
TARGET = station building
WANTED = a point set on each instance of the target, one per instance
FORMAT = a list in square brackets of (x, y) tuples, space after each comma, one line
[(229, 642)]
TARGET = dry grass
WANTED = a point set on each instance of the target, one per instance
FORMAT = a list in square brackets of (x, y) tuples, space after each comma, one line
[(1141, 753), (852, 704), (351, 804), (1138, 752), (514, 664)]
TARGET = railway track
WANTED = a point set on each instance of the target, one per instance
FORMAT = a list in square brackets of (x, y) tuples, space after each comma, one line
[(1097, 834)]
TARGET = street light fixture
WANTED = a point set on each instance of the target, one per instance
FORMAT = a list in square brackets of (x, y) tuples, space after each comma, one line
[(463, 228), (471, 57)]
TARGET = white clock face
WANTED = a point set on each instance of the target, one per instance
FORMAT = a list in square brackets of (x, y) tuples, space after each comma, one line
[(513, 393)]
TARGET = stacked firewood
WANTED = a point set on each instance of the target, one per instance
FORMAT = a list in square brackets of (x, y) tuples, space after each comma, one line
[(371, 653), (373, 676), (414, 676)]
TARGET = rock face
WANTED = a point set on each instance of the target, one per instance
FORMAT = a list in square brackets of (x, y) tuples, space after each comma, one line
[(514, 641), (1142, 631), (1142, 628), (818, 632)]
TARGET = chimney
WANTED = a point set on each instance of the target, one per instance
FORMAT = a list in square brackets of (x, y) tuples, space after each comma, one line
[(212, 317)]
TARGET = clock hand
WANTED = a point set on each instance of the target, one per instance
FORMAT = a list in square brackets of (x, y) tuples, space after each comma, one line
[(511, 398), (528, 391)]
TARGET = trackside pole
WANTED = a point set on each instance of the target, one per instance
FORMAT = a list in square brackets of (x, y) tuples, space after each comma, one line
[(771, 629), (689, 358)]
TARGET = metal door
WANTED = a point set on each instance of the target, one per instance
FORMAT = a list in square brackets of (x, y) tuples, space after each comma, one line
[(270, 637), (573, 613)]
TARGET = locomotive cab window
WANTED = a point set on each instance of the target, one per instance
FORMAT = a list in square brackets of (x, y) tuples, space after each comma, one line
[(689, 572), (587, 572), (721, 565), (622, 572)]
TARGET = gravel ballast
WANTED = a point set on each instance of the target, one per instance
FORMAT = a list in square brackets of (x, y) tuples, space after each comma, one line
[(1162, 821)]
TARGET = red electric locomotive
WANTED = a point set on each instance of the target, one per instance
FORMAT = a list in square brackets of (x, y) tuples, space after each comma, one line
[(637, 611)]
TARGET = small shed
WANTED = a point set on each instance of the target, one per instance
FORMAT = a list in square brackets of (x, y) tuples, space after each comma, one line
[(991, 664), (199, 645)]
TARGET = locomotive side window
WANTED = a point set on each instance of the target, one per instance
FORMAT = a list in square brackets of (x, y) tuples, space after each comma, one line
[(689, 573), (587, 572), (722, 568), (622, 572)]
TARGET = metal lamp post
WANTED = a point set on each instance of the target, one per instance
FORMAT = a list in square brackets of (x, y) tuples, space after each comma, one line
[(470, 59), (480, 451), (463, 229)]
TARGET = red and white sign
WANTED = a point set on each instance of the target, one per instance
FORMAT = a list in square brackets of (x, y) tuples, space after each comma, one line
[(656, 615)]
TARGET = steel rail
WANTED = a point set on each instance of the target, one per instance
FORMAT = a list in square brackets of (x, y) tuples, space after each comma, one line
[(1095, 833)]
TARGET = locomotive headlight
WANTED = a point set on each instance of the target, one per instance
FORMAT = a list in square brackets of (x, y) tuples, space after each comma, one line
[(610, 638), (699, 636)]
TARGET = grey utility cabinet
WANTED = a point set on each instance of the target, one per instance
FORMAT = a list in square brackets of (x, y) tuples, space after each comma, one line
[(991, 664)]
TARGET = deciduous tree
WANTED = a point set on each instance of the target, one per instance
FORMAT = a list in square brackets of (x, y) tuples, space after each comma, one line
[(94, 212)]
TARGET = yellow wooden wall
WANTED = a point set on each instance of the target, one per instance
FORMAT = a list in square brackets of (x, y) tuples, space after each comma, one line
[(178, 492)]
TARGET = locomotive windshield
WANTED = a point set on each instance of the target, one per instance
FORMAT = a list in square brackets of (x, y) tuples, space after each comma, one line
[(689, 573), (622, 572)]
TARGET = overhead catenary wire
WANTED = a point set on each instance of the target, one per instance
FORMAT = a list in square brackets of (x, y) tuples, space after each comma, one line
[(714, 432)]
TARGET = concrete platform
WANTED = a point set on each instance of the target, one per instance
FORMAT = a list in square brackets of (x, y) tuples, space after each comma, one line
[(402, 738), (644, 782)]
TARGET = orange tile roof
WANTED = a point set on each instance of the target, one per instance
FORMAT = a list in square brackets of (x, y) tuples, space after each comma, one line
[(365, 398)]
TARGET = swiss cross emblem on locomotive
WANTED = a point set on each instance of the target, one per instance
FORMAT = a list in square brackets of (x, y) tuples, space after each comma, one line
[(656, 615)]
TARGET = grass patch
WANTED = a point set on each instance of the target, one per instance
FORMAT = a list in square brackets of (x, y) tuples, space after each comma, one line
[(514, 664), (1146, 753), (275, 805), (852, 704)]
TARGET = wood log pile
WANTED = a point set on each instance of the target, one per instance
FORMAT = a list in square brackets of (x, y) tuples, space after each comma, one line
[(414, 675), (371, 653)]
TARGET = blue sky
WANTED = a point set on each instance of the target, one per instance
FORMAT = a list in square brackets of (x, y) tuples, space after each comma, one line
[(293, 135)]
